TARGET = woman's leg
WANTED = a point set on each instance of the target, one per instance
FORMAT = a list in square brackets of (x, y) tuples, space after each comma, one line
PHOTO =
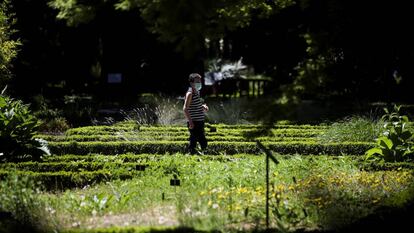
[(201, 137), (192, 139)]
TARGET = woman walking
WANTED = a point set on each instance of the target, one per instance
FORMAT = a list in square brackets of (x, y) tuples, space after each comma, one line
[(194, 111)]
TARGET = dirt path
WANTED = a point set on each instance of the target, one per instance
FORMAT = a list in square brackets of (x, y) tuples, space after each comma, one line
[(159, 216)]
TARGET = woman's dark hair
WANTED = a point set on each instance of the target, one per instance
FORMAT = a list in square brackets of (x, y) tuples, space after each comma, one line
[(193, 76)]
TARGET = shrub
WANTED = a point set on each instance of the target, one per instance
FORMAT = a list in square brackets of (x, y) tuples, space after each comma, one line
[(397, 142), (55, 125), (51, 119), (17, 130)]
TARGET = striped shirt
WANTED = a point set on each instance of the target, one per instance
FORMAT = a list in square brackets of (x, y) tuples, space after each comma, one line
[(196, 107)]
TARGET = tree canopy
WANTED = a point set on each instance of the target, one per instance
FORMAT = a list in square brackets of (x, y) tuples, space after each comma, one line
[(8, 45), (185, 23), (312, 48)]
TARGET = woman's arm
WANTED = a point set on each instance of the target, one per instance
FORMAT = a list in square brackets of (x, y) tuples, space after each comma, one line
[(187, 102)]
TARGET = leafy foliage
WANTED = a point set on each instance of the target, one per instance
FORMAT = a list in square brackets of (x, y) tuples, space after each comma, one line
[(324, 48), (74, 12), (187, 25), (8, 46), (316, 74), (17, 130), (397, 142)]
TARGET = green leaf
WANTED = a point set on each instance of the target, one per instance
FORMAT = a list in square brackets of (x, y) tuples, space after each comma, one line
[(3, 102), (397, 108), (405, 119), (373, 151), (385, 142)]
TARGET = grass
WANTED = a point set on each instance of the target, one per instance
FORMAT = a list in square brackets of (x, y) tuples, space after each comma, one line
[(227, 193), (353, 129), (217, 192)]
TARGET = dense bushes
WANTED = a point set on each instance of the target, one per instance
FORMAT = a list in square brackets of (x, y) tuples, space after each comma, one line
[(17, 130), (62, 180), (396, 144)]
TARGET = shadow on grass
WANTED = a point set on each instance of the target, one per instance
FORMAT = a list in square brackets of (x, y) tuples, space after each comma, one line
[(384, 220), (8, 224)]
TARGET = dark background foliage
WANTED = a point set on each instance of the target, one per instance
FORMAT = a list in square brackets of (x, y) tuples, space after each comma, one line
[(312, 49)]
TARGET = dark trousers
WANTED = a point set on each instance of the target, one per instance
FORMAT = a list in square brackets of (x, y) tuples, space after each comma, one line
[(197, 135)]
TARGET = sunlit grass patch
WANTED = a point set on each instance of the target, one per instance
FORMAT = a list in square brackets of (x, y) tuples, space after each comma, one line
[(353, 129), (313, 192), (228, 193)]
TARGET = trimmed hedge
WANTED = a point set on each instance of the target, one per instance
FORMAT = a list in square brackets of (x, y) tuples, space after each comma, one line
[(162, 147), (111, 130), (78, 166), (133, 158), (83, 148), (62, 180), (236, 126), (345, 148), (136, 158), (390, 166), (180, 137)]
